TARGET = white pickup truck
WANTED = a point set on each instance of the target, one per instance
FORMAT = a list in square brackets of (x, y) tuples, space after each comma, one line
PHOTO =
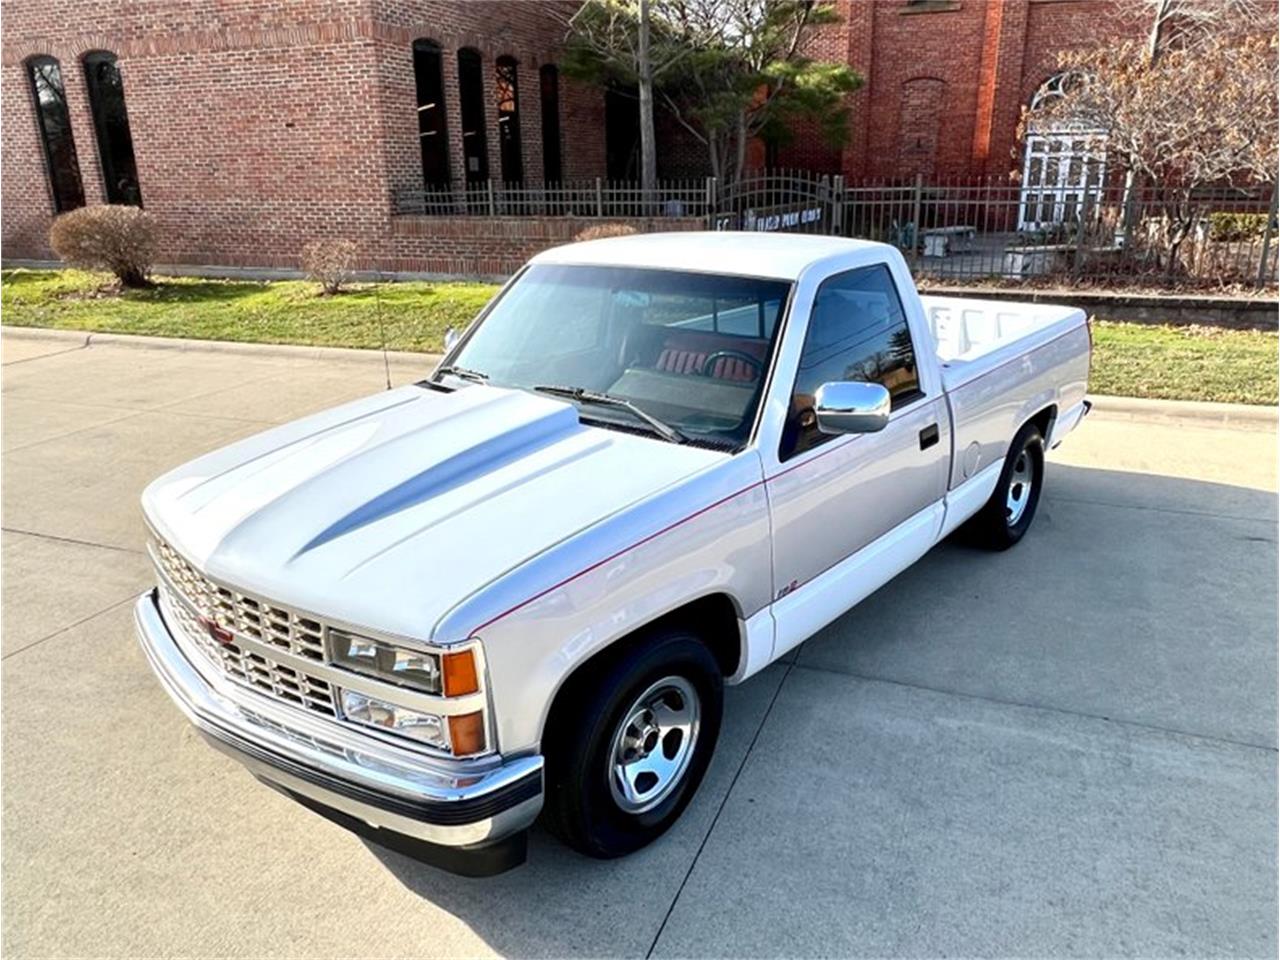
[(650, 467)]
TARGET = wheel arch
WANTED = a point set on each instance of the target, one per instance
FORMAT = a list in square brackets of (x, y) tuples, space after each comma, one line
[(715, 617), (1044, 420)]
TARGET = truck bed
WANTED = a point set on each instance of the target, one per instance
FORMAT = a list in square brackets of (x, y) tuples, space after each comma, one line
[(972, 336), (1001, 361)]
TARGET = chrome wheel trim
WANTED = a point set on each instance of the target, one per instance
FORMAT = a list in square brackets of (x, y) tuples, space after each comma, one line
[(653, 745), (1021, 482)]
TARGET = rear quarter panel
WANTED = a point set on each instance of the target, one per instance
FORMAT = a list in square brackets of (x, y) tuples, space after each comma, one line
[(992, 397)]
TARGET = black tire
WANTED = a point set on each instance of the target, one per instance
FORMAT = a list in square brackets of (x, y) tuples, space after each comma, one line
[(994, 527), (581, 806)]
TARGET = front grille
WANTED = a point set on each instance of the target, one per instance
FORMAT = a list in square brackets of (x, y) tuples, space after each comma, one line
[(189, 595), (241, 613)]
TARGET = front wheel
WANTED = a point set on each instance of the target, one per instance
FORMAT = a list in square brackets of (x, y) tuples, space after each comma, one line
[(1007, 515), (629, 743)]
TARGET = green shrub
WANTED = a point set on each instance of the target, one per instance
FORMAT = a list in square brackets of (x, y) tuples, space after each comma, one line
[(1237, 226)]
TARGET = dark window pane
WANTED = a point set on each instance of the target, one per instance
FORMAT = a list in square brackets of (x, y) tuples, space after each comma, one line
[(508, 94), (432, 133), (471, 103), (550, 78), (55, 131), (111, 126), (857, 331)]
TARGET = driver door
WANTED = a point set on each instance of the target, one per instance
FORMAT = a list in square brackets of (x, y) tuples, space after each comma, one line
[(832, 496)]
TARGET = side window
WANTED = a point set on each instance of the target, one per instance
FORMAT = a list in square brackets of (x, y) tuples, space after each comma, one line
[(111, 125), (857, 331), (55, 131)]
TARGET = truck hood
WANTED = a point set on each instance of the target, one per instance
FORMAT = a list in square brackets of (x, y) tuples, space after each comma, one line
[(387, 512)]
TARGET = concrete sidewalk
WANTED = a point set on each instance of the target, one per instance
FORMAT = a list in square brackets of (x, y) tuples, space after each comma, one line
[(1068, 748)]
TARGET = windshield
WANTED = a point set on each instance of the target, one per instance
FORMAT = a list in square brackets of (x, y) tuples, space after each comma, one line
[(688, 349)]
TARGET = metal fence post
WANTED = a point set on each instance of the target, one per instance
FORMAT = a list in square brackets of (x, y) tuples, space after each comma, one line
[(837, 206), (1080, 226), (493, 210), (1264, 274), (599, 198), (915, 219), (709, 189)]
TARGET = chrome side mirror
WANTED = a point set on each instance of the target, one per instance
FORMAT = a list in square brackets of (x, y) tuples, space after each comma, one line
[(851, 407), (451, 337)]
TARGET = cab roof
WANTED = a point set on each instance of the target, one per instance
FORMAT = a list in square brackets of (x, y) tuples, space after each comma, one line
[(782, 256)]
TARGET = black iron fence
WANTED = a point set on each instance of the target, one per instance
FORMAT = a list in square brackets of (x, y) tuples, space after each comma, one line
[(598, 198), (1081, 229)]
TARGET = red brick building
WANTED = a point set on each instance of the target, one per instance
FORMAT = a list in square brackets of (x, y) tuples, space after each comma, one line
[(248, 128)]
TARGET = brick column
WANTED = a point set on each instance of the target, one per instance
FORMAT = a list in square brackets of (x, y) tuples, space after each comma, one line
[(859, 30), (999, 85)]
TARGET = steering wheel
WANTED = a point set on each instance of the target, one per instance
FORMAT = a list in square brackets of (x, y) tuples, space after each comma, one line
[(709, 365)]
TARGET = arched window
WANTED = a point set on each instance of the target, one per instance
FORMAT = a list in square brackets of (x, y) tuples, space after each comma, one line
[(549, 81), (1064, 162), (111, 127), (55, 132), (433, 136), (508, 95), (475, 150)]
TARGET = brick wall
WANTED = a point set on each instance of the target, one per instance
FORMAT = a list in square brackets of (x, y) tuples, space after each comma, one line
[(258, 126), (493, 246), (256, 131)]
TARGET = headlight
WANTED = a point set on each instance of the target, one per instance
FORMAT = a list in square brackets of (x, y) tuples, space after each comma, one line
[(453, 674), (461, 734), (372, 712)]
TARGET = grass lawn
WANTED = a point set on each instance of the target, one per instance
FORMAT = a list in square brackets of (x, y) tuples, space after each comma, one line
[(414, 315), (1184, 363), (1136, 360)]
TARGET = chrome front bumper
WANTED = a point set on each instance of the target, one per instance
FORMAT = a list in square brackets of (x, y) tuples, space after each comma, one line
[(388, 794)]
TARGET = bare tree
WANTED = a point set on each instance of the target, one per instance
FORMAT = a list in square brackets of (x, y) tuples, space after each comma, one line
[(1196, 116)]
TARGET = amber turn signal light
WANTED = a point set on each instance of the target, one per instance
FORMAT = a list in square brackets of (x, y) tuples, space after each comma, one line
[(466, 733), (459, 671)]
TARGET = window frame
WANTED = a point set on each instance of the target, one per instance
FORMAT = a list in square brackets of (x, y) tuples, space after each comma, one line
[(506, 72), (102, 138), (427, 46), (29, 66), (898, 405), (470, 67), (552, 140)]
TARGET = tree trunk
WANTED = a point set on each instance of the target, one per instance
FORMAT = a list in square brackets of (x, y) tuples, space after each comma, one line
[(740, 159), (648, 147), (1132, 184)]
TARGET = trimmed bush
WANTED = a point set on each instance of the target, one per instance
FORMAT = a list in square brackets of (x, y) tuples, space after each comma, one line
[(1237, 226), (329, 263), (602, 230), (121, 239)]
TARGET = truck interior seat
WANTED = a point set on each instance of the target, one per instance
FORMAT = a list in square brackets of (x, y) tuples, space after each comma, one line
[(688, 354)]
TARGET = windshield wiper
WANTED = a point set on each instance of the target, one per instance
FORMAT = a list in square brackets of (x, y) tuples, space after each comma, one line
[(664, 430), (462, 373)]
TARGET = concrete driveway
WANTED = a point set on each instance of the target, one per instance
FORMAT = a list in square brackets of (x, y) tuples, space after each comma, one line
[(1066, 749)]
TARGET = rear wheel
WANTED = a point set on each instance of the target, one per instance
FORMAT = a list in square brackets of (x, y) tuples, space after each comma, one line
[(1005, 518), (629, 743)]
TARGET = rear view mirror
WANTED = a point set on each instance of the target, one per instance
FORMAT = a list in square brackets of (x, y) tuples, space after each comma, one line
[(451, 337), (851, 407)]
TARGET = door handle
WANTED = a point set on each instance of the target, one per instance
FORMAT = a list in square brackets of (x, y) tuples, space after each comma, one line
[(928, 436)]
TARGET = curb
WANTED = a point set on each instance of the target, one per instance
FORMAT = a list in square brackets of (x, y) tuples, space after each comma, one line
[(1227, 414), (82, 338)]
